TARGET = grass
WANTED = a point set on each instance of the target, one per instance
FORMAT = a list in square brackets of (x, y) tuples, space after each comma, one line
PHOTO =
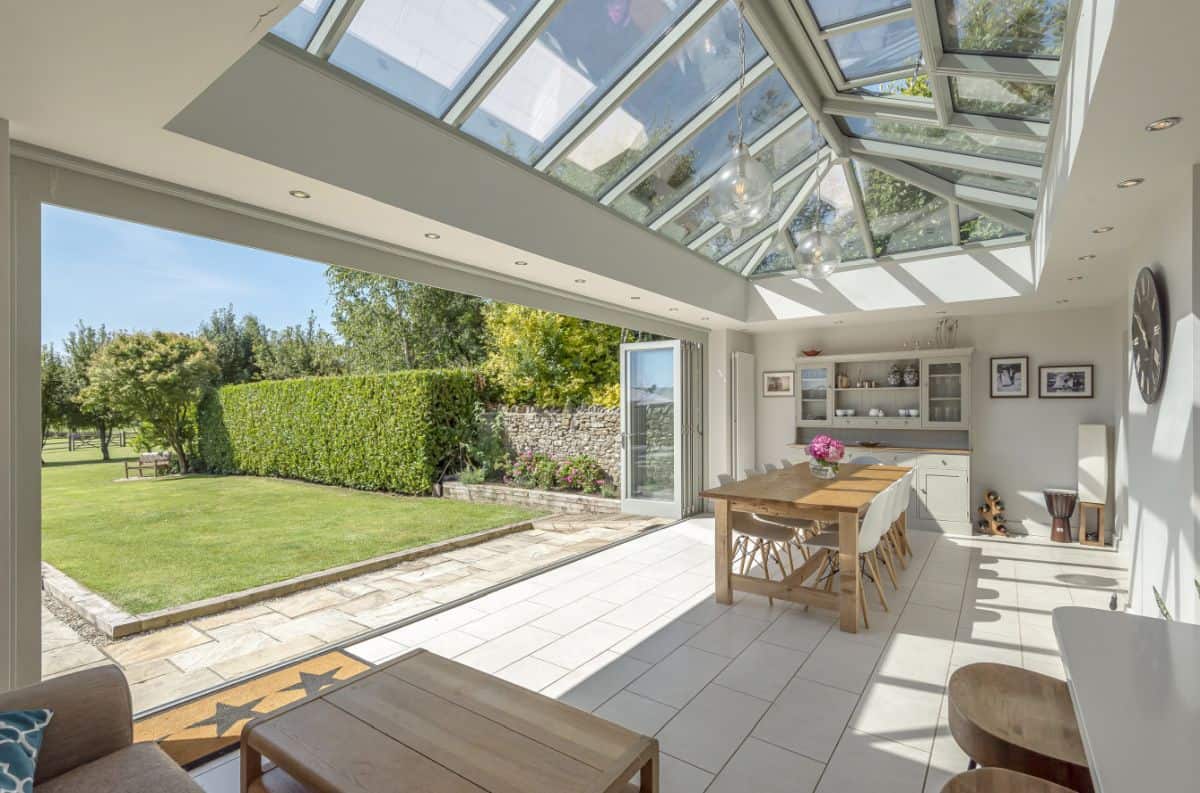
[(154, 544)]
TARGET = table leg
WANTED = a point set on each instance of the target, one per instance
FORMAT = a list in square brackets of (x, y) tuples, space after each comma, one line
[(724, 553), (649, 778), (251, 766), (848, 574)]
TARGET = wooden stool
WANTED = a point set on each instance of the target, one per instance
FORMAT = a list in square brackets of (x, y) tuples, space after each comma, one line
[(1007, 717), (1000, 780), (1098, 509)]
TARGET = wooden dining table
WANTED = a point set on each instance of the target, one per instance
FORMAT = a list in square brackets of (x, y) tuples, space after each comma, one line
[(795, 493)]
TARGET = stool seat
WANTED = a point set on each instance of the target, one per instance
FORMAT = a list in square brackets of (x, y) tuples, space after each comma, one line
[(1000, 780), (1007, 717)]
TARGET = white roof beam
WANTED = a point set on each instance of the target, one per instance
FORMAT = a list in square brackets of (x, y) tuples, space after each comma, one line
[(333, 26), (955, 224), (998, 67), (862, 23), (757, 258), (861, 147), (521, 38), (949, 191), (930, 34), (879, 109), (860, 208), (637, 75), (684, 133), (783, 36)]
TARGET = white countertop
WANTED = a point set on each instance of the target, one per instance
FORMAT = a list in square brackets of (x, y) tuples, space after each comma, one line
[(1135, 682)]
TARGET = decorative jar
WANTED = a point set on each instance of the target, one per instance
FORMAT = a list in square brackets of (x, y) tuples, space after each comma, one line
[(894, 377), (911, 376)]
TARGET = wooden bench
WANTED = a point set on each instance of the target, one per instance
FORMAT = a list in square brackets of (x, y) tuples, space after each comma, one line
[(155, 462)]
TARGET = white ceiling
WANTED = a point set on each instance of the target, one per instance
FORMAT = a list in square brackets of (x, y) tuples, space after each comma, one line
[(102, 81)]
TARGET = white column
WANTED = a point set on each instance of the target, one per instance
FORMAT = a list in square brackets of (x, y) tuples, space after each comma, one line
[(20, 430)]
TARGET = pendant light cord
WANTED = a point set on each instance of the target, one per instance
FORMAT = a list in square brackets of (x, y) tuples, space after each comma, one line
[(742, 77)]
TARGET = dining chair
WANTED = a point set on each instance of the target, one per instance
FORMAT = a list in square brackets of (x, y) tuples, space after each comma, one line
[(769, 467), (759, 541), (755, 471), (866, 459), (786, 463), (874, 523), (900, 527)]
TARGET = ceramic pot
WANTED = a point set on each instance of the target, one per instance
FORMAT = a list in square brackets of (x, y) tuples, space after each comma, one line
[(911, 376)]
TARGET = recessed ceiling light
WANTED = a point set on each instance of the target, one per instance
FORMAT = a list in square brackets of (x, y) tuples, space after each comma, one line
[(672, 308), (299, 194), (1075, 278), (1134, 182), (839, 322), (1163, 123), (705, 319), (581, 280), (1102, 229), (1087, 257), (429, 235), (634, 297), (1062, 300), (941, 312), (521, 263)]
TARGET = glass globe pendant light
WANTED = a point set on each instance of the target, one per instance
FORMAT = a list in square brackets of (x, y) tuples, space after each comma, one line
[(740, 194), (818, 254)]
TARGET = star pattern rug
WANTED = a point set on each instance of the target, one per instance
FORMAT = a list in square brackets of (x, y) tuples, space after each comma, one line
[(195, 731)]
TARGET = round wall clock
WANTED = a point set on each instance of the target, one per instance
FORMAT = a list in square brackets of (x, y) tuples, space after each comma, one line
[(1146, 336)]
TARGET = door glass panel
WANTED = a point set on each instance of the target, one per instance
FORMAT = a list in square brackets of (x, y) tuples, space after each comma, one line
[(689, 80), (650, 411), (586, 47), (878, 49), (945, 389), (299, 26), (1022, 28), (1031, 101), (425, 51), (814, 387)]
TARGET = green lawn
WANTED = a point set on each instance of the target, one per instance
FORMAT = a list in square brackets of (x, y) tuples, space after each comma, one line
[(150, 545)]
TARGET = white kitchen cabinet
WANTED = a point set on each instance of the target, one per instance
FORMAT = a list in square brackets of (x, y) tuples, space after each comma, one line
[(946, 392), (814, 394), (942, 493)]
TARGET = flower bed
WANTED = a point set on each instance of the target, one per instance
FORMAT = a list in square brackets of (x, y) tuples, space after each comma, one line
[(508, 493)]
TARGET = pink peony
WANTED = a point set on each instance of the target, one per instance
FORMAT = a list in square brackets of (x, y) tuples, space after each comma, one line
[(826, 449)]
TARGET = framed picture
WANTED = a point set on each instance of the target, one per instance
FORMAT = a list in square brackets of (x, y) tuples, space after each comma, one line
[(1065, 382), (1010, 377), (779, 384)]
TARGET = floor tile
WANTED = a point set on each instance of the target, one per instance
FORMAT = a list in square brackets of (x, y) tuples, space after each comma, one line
[(903, 712), (451, 644), (807, 718), (864, 763), (582, 645), (499, 653), (765, 768), (506, 619), (680, 676), (595, 682), (729, 634), (573, 615), (676, 776), (798, 629), (376, 650), (762, 670), (842, 662), (640, 611), (634, 712), (711, 727), (531, 673), (656, 641)]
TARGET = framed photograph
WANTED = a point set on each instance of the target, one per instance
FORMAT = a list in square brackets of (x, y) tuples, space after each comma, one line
[(779, 384), (1010, 377), (1065, 382)]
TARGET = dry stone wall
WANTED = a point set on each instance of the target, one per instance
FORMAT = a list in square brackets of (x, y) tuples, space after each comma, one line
[(594, 431)]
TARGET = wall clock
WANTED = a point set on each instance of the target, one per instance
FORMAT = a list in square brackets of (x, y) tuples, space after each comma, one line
[(1146, 336)]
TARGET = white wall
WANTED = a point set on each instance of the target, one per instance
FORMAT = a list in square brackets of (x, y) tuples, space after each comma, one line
[(1158, 465), (1019, 446)]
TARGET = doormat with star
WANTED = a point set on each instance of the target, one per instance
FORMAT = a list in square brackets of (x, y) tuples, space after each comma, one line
[(203, 728)]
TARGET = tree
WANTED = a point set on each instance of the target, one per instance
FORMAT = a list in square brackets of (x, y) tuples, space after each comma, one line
[(551, 360), (298, 351), (233, 342), (158, 378), (389, 324), (81, 348), (56, 404)]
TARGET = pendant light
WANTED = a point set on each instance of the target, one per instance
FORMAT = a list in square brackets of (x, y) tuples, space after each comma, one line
[(818, 254), (741, 190)]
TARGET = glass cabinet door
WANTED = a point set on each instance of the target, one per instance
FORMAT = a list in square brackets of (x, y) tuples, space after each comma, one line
[(814, 393), (946, 392)]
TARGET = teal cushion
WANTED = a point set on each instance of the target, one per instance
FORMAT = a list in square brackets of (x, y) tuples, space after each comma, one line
[(20, 740)]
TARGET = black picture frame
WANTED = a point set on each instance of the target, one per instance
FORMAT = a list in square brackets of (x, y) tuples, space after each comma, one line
[(1001, 390), (1083, 388)]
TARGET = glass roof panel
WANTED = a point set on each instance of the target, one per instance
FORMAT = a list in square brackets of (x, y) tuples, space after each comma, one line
[(584, 49), (739, 264), (299, 26), (877, 49), (836, 213), (909, 89), (425, 52), (931, 137), (835, 12), (767, 102), (695, 74), (974, 227), (723, 243), (1021, 28), (1013, 185), (903, 217), (690, 223), (1032, 101), (776, 259)]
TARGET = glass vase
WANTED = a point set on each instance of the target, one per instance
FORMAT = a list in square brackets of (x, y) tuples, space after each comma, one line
[(822, 470)]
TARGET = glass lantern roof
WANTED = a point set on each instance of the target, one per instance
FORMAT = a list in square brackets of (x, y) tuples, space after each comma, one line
[(923, 126)]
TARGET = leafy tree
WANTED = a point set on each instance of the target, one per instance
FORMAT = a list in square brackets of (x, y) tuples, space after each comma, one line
[(81, 348), (158, 378), (233, 341), (551, 360), (298, 351), (56, 404), (389, 324)]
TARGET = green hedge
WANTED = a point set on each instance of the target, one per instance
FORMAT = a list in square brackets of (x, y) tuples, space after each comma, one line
[(372, 432)]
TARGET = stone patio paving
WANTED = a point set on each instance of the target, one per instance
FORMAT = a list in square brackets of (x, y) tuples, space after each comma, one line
[(171, 663)]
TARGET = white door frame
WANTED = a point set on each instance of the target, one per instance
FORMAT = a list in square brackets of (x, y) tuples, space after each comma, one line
[(644, 506)]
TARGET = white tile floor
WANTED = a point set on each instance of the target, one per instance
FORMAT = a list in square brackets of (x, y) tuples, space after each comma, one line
[(760, 697)]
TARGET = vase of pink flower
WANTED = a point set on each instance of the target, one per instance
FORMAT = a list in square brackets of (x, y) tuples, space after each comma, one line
[(824, 454)]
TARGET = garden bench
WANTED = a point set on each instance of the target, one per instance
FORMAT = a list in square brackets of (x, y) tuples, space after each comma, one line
[(154, 462)]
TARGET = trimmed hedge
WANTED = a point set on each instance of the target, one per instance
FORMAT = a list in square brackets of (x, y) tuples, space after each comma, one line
[(372, 432)]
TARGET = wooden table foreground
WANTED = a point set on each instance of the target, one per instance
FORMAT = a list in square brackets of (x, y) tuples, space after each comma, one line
[(795, 492), (424, 722)]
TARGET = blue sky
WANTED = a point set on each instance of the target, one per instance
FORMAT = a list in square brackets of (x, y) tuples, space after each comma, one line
[(133, 277)]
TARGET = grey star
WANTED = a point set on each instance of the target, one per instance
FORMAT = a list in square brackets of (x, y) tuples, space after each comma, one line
[(310, 684), (226, 716)]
